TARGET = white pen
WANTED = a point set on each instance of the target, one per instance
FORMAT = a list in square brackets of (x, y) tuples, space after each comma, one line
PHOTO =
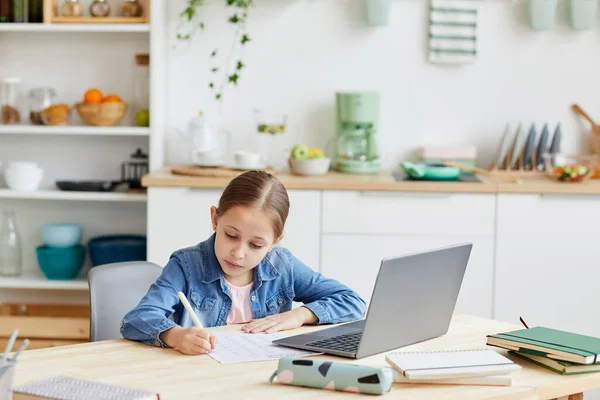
[(189, 309)]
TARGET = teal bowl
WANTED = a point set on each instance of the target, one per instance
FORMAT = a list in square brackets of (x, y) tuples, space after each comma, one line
[(61, 263), (61, 235)]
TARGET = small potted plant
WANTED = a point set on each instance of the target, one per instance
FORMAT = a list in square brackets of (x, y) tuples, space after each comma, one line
[(541, 13), (378, 12), (583, 13)]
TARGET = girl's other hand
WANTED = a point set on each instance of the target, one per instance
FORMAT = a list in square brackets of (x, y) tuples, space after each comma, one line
[(190, 341), (281, 322)]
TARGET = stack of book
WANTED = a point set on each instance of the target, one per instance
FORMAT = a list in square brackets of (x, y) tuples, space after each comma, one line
[(453, 367), (563, 352)]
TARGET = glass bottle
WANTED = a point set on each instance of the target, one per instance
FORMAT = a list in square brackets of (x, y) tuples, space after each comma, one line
[(132, 8), (141, 90), (10, 246), (39, 100), (71, 8), (35, 11), (100, 8), (18, 11), (5, 10)]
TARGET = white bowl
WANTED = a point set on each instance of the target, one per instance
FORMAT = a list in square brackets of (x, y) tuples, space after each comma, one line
[(310, 167), (23, 178)]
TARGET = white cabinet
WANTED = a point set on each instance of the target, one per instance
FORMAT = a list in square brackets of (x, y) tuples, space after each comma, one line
[(354, 260), (548, 261), (180, 217), (361, 228)]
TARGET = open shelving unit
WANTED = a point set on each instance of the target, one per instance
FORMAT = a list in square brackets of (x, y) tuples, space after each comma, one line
[(74, 130), (123, 210)]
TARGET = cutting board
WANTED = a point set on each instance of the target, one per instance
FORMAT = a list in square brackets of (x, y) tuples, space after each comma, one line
[(206, 172)]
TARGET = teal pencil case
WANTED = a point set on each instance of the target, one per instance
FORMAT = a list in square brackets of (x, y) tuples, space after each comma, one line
[(323, 374)]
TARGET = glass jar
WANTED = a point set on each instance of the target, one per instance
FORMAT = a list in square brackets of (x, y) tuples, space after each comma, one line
[(100, 8), (39, 100), (271, 128), (132, 8), (10, 246), (9, 97), (72, 8), (141, 90)]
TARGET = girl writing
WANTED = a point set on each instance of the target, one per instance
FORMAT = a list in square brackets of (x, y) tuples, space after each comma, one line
[(239, 276)]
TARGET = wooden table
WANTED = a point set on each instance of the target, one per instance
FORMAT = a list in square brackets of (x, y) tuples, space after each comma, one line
[(176, 376)]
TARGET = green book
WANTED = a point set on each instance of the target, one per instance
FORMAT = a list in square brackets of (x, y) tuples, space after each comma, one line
[(550, 343), (561, 367)]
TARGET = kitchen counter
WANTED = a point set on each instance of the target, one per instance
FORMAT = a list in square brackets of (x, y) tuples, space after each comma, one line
[(383, 182)]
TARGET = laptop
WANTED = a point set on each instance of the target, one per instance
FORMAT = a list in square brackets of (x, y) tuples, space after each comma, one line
[(413, 300)]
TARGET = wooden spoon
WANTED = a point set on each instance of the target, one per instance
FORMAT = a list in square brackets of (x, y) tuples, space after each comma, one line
[(594, 132)]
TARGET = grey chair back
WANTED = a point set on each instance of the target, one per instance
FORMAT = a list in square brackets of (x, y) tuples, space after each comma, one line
[(115, 289)]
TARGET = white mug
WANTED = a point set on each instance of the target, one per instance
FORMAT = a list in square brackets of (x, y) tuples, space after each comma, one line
[(207, 157)]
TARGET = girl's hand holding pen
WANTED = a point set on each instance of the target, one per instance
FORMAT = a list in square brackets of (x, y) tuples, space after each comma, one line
[(189, 341)]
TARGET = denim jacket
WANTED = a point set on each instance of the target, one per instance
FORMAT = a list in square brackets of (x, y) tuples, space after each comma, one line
[(279, 279)]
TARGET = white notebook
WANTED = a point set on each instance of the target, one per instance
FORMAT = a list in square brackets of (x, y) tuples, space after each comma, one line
[(447, 364)]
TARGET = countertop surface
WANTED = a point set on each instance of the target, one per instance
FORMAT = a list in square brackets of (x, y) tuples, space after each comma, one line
[(383, 181)]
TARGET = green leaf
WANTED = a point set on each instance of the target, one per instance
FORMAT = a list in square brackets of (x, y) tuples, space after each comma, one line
[(201, 25), (240, 65), (211, 85), (234, 78), (218, 96), (234, 19), (214, 53), (214, 69), (245, 39)]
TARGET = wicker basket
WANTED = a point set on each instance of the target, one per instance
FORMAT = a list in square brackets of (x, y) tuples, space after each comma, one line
[(102, 114)]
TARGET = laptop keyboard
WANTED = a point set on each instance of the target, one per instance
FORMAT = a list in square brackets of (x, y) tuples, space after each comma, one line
[(348, 342)]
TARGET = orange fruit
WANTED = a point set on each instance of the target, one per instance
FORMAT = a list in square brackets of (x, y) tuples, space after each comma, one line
[(93, 96), (112, 98)]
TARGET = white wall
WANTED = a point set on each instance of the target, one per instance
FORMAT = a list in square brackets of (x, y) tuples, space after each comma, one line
[(304, 50)]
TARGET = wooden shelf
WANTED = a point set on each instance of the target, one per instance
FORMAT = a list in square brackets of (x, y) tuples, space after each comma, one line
[(98, 20), (97, 27), (41, 282), (74, 130), (74, 196)]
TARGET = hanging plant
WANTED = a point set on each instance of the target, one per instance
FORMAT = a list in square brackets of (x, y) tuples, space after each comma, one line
[(231, 72)]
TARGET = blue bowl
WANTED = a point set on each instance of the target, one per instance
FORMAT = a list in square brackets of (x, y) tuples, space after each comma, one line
[(117, 248), (61, 235), (61, 263)]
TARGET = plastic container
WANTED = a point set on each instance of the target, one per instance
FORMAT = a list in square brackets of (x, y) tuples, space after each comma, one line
[(110, 249), (61, 263), (541, 13), (61, 235), (141, 90), (583, 13), (378, 12)]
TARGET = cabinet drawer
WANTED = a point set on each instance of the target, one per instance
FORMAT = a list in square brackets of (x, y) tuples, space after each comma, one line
[(408, 213), (354, 260), (554, 214)]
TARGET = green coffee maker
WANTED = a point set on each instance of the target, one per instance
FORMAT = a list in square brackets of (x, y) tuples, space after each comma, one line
[(357, 120)]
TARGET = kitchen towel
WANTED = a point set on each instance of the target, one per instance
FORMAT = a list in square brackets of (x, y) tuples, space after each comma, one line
[(453, 31)]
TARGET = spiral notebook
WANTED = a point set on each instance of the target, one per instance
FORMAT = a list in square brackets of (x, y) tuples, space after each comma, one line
[(447, 364)]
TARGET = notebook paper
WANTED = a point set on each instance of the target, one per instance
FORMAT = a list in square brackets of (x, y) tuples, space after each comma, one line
[(451, 364), (238, 347)]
